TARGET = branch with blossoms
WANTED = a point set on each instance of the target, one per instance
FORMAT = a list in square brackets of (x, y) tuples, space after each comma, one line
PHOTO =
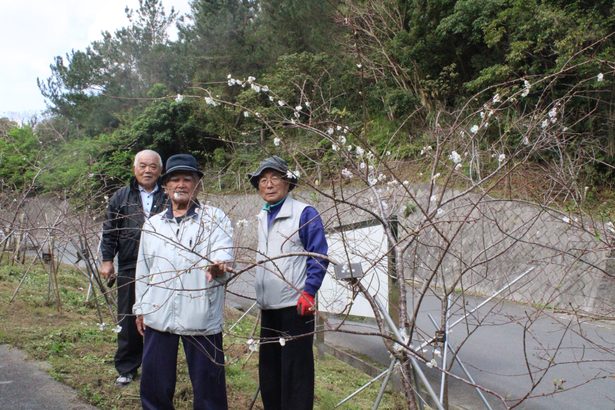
[(465, 221)]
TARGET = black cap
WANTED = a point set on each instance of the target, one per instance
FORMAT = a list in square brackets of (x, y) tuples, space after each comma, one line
[(181, 162), (276, 163)]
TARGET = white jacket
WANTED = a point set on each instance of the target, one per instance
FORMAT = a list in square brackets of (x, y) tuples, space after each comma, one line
[(171, 291)]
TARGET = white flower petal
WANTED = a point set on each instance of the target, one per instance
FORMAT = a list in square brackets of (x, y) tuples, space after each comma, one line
[(346, 173), (455, 157)]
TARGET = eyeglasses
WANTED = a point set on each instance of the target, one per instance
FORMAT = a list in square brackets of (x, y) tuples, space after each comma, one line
[(274, 180)]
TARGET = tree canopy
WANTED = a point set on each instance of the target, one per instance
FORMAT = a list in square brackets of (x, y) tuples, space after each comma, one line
[(384, 68)]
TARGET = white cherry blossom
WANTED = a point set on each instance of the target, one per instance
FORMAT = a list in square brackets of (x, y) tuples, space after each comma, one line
[(455, 157)]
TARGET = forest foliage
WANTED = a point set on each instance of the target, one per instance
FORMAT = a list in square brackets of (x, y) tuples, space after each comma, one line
[(390, 71)]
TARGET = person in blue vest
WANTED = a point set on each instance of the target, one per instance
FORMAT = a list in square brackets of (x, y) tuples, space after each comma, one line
[(286, 283)]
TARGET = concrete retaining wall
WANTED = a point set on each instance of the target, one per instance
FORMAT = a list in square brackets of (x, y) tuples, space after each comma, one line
[(473, 243)]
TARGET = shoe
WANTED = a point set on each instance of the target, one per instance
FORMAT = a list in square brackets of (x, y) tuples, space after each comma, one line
[(124, 380)]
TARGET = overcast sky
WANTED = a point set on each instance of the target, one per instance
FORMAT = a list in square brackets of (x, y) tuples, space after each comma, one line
[(33, 32)]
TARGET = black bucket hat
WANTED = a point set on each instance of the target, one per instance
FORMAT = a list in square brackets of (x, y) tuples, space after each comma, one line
[(181, 162), (276, 163)]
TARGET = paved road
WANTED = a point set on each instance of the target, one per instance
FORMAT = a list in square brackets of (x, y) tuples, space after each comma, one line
[(25, 385), (582, 351), (494, 355)]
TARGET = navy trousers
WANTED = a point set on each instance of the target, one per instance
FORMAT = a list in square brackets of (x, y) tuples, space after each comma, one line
[(205, 360), (129, 341), (286, 372)]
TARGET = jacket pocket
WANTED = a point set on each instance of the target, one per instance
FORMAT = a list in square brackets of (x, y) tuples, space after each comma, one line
[(194, 312)]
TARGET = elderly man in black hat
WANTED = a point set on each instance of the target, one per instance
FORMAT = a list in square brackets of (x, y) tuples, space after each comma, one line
[(184, 257), (286, 284)]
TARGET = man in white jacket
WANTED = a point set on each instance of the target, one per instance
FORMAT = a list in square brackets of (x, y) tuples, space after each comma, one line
[(184, 257)]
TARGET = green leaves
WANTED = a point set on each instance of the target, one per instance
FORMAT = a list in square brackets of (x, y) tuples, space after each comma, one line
[(385, 69), (20, 158)]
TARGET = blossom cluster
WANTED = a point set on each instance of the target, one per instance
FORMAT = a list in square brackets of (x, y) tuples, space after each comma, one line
[(242, 222), (211, 101), (250, 82), (526, 88), (102, 326), (551, 117), (297, 110), (455, 157), (337, 134)]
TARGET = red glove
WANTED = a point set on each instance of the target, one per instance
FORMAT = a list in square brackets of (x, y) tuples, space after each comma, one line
[(306, 305)]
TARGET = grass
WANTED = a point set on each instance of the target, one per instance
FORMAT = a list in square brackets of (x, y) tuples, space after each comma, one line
[(80, 354)]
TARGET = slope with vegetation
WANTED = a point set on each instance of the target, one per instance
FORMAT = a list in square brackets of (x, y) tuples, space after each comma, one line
[(394, 72)]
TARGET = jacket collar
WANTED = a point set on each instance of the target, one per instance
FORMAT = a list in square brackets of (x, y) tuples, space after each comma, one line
[(287, 208), (268, 207), (285, 211), (192, 211), (135, 185)]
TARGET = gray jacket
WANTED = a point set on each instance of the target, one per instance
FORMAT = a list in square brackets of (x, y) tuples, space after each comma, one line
[(171, 290), (280, 279)]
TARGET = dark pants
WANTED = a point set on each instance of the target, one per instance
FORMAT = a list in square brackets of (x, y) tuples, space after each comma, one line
[(129, 341), (205, 360), (286, 372)]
